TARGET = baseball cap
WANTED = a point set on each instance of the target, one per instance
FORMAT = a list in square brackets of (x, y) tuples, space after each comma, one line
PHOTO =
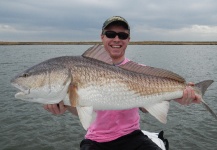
[(115, 19)]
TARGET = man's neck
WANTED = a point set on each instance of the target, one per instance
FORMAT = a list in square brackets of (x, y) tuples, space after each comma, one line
[(117, 62)]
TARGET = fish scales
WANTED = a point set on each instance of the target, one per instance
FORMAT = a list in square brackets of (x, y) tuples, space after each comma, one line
[(139, 83), (119, 82)]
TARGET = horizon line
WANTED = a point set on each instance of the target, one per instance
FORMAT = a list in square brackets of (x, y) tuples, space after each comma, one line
[(99, 42)]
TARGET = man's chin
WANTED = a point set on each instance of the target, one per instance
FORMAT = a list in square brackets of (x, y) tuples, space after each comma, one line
[(116, 55)]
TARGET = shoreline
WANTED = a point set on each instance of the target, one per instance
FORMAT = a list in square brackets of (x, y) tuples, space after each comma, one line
[(131, 43)]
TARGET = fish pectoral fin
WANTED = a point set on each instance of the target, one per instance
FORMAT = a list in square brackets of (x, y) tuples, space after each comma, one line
[(159, 111), (86, 115), (73, 95)]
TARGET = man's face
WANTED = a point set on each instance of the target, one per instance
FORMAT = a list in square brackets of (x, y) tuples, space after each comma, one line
[(115, 46)]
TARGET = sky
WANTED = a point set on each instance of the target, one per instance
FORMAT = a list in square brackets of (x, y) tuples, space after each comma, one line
[(81, 20)]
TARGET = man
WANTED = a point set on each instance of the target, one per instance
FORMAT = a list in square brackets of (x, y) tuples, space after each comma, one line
[(118, 129)]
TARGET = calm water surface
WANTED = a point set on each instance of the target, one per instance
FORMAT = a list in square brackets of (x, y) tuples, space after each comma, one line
[(27, 126)]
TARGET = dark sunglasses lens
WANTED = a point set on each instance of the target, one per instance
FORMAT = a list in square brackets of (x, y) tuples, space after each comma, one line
[(112, 34), (122, 35)]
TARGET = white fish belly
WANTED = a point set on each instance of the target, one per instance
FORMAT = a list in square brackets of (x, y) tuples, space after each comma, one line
[(115, 96)]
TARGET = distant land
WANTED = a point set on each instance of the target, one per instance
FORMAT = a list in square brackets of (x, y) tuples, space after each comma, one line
[(131, 43)]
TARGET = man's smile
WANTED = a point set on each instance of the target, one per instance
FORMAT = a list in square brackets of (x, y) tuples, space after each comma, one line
[(116, 46)]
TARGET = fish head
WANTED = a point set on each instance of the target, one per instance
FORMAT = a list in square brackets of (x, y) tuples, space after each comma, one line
[(45, 83)]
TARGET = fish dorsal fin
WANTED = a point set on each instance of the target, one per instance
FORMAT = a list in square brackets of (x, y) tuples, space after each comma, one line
[(98, 52), (135, 67)]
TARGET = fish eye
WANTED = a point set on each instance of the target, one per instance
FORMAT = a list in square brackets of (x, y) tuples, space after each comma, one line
[(25, 75)]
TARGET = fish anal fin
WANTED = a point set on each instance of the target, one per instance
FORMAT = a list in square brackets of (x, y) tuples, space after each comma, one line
[(86, 115), (159, 111), (73, 95)]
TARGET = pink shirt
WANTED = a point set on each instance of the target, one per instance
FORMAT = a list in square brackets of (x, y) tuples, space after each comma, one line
[(112, 124)]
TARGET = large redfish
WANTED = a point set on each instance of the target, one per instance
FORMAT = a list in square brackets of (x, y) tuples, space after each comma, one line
[(90, 82)]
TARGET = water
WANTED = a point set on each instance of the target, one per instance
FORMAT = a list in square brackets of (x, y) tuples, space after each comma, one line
[(27, 126)]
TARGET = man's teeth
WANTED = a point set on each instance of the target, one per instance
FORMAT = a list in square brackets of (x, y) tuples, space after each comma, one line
[(116, 46)]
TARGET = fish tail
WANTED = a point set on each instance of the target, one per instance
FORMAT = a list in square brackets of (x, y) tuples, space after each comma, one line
[(209, 109), (202, 87)]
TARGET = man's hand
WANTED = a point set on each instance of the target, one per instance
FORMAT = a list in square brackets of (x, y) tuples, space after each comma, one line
[(56, 109), (189, 96)]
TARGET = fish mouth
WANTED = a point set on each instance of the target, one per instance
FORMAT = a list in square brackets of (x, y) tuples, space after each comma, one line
[(23, 91)]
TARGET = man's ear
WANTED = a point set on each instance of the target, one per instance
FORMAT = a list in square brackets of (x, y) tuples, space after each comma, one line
[(129, 39), (102, 36)]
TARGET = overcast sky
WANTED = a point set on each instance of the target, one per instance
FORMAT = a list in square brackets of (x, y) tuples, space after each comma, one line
[(81, 20)]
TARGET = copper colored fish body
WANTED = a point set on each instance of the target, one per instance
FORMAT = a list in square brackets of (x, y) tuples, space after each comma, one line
[(90, 82)]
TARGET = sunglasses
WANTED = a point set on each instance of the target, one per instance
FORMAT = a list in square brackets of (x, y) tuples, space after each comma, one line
[(113, 34)]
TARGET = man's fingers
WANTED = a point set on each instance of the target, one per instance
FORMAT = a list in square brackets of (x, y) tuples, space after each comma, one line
[(189, 96), (197, 99), (53, 108), (62, 107), (56, 109), (190, 84)]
